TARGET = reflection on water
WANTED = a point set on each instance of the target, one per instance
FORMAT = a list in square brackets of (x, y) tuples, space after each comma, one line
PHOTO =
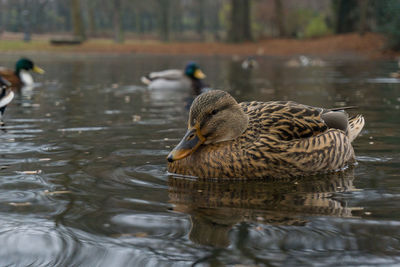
[(83, 177), (216, 206)]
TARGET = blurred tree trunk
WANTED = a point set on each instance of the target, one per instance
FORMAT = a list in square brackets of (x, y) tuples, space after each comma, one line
[(37, 19), (363, 16), (247, 21), (240, 26), (177, 17), (64, 11), (118, 31), (77, 22), (346, 15), (164, 18), (26, 21), (215, 18), (200, 18), (91, 18), (280, 18), (142, 22)]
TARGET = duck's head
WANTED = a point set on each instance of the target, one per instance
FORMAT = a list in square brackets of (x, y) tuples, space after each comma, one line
[(192, 70), (214, 117), (27, 64)]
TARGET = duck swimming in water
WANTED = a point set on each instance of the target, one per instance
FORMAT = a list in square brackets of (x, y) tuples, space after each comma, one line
[(249, 63), (20, 76), (191, 77), (6, 95), (254, 140)]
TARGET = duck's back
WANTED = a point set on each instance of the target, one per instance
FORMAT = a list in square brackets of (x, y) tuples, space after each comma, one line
[(169, 84), (284, 120), (10, 76), (283, 139)]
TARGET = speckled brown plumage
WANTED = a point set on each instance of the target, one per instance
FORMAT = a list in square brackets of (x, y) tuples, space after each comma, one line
[(282, 139)]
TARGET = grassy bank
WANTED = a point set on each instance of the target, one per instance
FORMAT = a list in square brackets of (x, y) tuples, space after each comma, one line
[(368, 45)]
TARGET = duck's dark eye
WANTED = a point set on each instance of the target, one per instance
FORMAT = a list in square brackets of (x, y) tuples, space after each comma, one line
[(190, 136), (214, 112)]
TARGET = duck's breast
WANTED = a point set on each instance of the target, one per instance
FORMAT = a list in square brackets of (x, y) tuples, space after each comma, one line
[(26, 78)]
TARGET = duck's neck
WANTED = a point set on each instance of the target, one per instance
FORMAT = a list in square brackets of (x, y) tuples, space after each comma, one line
[(25, 77), (197, 86)]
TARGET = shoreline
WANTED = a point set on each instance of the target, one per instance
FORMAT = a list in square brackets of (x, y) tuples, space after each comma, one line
[(370, 46)]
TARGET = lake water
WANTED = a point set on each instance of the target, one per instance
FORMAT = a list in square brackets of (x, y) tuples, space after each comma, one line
[(83, 178)]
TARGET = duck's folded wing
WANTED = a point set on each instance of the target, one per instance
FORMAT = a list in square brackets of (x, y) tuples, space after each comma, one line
[(286, 120), (330, 150), (166, 74), (9, 75)]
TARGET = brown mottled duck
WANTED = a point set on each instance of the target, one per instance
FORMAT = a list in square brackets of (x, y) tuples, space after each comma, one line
[(277, 139), (20, 76)]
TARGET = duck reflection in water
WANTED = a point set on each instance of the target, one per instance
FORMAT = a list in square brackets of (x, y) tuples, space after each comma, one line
[(215, 207)]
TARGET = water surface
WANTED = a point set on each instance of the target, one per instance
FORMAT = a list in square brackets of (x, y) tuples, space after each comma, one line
[(83, 178)]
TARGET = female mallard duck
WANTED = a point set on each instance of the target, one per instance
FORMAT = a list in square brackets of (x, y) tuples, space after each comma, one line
[(276, 139), (191, 77), (6, 95), (21, 76)]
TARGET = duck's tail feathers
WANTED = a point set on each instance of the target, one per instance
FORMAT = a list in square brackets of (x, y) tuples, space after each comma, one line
[(146, 80), (343, 108), (356, 124)]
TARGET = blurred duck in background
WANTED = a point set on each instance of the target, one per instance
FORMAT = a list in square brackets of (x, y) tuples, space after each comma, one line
[(304, 61), (249, 63), (191, 77), (21, 76), (6, 95)]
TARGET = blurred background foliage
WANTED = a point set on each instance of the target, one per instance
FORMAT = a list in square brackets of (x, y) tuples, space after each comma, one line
[(201, 20)]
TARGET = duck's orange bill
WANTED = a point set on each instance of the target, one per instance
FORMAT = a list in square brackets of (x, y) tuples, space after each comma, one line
[(189, 143)]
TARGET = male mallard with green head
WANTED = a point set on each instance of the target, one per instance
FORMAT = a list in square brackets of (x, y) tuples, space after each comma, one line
[(191, 77), (277, 139), (21, 76)]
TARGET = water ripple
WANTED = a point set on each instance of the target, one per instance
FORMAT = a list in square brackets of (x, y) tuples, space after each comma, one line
[(373, 159), (82, 129)]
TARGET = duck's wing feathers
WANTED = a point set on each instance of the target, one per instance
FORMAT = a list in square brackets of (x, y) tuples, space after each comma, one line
[(300, 137), (165, 74), (356, 124), (330, 150), (10, 76), (285, 120)]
